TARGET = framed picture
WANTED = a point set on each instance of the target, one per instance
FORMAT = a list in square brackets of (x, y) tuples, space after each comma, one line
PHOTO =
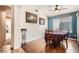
[(31, 18), (41, 21)]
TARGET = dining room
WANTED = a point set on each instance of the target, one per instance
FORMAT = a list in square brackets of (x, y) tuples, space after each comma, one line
[(39, 29), (60, 35), (43, 29)]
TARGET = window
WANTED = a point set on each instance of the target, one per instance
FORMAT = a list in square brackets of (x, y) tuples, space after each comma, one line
[(66, 24), (56, 24)]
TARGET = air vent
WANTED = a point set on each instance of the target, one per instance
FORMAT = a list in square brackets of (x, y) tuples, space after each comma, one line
[(36, 10)]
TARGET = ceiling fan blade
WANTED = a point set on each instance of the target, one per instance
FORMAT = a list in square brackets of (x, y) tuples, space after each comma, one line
[(51, 10), (62, 9)]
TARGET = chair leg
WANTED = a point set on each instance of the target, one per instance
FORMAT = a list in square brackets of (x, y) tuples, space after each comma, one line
[(66, 44), (62, 41), (49, 42)]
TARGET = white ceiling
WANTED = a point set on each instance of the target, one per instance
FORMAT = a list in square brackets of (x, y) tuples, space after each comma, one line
[(45, 9)]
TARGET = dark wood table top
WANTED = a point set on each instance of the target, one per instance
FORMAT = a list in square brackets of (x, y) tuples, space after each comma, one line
[(58, 32)]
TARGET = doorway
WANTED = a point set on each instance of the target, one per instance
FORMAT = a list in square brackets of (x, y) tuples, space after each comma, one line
[(6, 31)]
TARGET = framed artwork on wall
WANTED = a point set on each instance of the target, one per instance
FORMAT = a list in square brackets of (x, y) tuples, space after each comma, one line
[(31, 18), (41, 21)]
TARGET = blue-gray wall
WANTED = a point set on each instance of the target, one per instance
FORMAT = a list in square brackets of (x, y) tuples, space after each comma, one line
[(74, 23)]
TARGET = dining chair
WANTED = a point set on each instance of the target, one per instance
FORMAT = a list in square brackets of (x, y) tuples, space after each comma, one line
[(66, 39), (48, 37)]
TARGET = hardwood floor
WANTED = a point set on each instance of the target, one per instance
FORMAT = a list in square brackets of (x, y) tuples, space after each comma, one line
[(39, 46), (7, 49)]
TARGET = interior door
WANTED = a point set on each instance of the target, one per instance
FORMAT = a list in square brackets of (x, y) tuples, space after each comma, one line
[(2, 26)]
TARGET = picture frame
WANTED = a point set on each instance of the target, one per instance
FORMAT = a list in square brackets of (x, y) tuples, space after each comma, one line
[(31, 18), (41, 21)]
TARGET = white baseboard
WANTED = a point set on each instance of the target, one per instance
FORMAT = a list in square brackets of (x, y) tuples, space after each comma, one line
[(71, 39), (27, 41)]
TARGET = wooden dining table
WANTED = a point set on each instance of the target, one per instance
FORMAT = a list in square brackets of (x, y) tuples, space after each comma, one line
[(56, 37)]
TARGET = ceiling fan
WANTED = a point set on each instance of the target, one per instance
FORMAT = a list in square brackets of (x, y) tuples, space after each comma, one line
[(57, 8)]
